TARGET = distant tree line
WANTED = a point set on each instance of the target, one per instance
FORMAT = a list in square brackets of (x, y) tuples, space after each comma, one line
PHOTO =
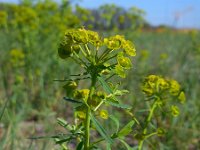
[(105, 17), (110, 16)]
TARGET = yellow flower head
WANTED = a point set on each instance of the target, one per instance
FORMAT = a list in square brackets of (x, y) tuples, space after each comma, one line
[(81, 114), (129, 48), (174, 111), (70, 85), (163, 84), (114, 42), (103, 114), (3, 17), (181, 97), (174, 87), (81, 94), (97, 97), (17, 57), (25, 16), (119, 70), (82, 36), (125, 62), (154, 84)]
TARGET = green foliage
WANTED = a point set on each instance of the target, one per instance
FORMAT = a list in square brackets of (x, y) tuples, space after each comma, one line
[(94, 53), (29, 36)]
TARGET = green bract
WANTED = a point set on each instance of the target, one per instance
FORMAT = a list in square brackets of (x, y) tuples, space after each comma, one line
[(129, 48), (124, 62)]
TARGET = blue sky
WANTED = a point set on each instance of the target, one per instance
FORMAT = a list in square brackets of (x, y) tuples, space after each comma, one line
[(178, 13)]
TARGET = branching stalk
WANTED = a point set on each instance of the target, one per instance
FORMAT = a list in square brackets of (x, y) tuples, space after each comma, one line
[(87, 120), (146, 124)]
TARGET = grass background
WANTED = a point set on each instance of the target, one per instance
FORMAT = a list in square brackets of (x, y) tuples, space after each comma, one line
[(33, 100)]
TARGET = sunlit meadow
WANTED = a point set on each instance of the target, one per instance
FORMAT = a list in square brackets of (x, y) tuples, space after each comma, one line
[(75, 78)]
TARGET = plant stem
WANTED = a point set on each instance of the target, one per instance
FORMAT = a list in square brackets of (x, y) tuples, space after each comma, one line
[(147, 123), (105, 53), (87, 130), (87, 120)]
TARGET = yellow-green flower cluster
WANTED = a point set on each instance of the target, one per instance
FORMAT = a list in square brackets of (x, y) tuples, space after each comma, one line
[(73, 40), (103, 114), (156, 85), (70, 87), (174, 111), (23, 15), (117, 42), (174, 87), (164, 89), (123, 63), (97, 97), (93, 102), (97, 51), (81, 94), (82, 36), (47, 6), (3, 17), (17, 57)]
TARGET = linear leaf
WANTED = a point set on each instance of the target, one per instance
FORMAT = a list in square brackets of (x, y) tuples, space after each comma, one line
[(116, 122), (62, 122), (126, 129), (125, 144), (80, 146), (118, 105), (3, 110), (109, 90), (101, 129), (72, 100), (105, 85), (43, 137), (60, 141), (108, 146)]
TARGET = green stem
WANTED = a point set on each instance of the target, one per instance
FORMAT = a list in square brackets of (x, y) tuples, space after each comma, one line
[(79, 59), (87, 120), (151, 134), (106, 59), (82, 51), (87, 130), (100, 140), (104, 54), (88, 51), (147, 123), (98, 105)]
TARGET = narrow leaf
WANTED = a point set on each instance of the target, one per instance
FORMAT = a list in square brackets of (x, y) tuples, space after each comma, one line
[(126, 129), (125, 144), (80, 146), (105, 85), (118, 105), (62, 122), (101, 129), (109, 90), (116, 122), (72, 100), (60, 141), (108, 146), (3, 110), (44, 137)]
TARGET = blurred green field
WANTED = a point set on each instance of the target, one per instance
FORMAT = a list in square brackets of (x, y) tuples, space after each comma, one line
[(31, 100)]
